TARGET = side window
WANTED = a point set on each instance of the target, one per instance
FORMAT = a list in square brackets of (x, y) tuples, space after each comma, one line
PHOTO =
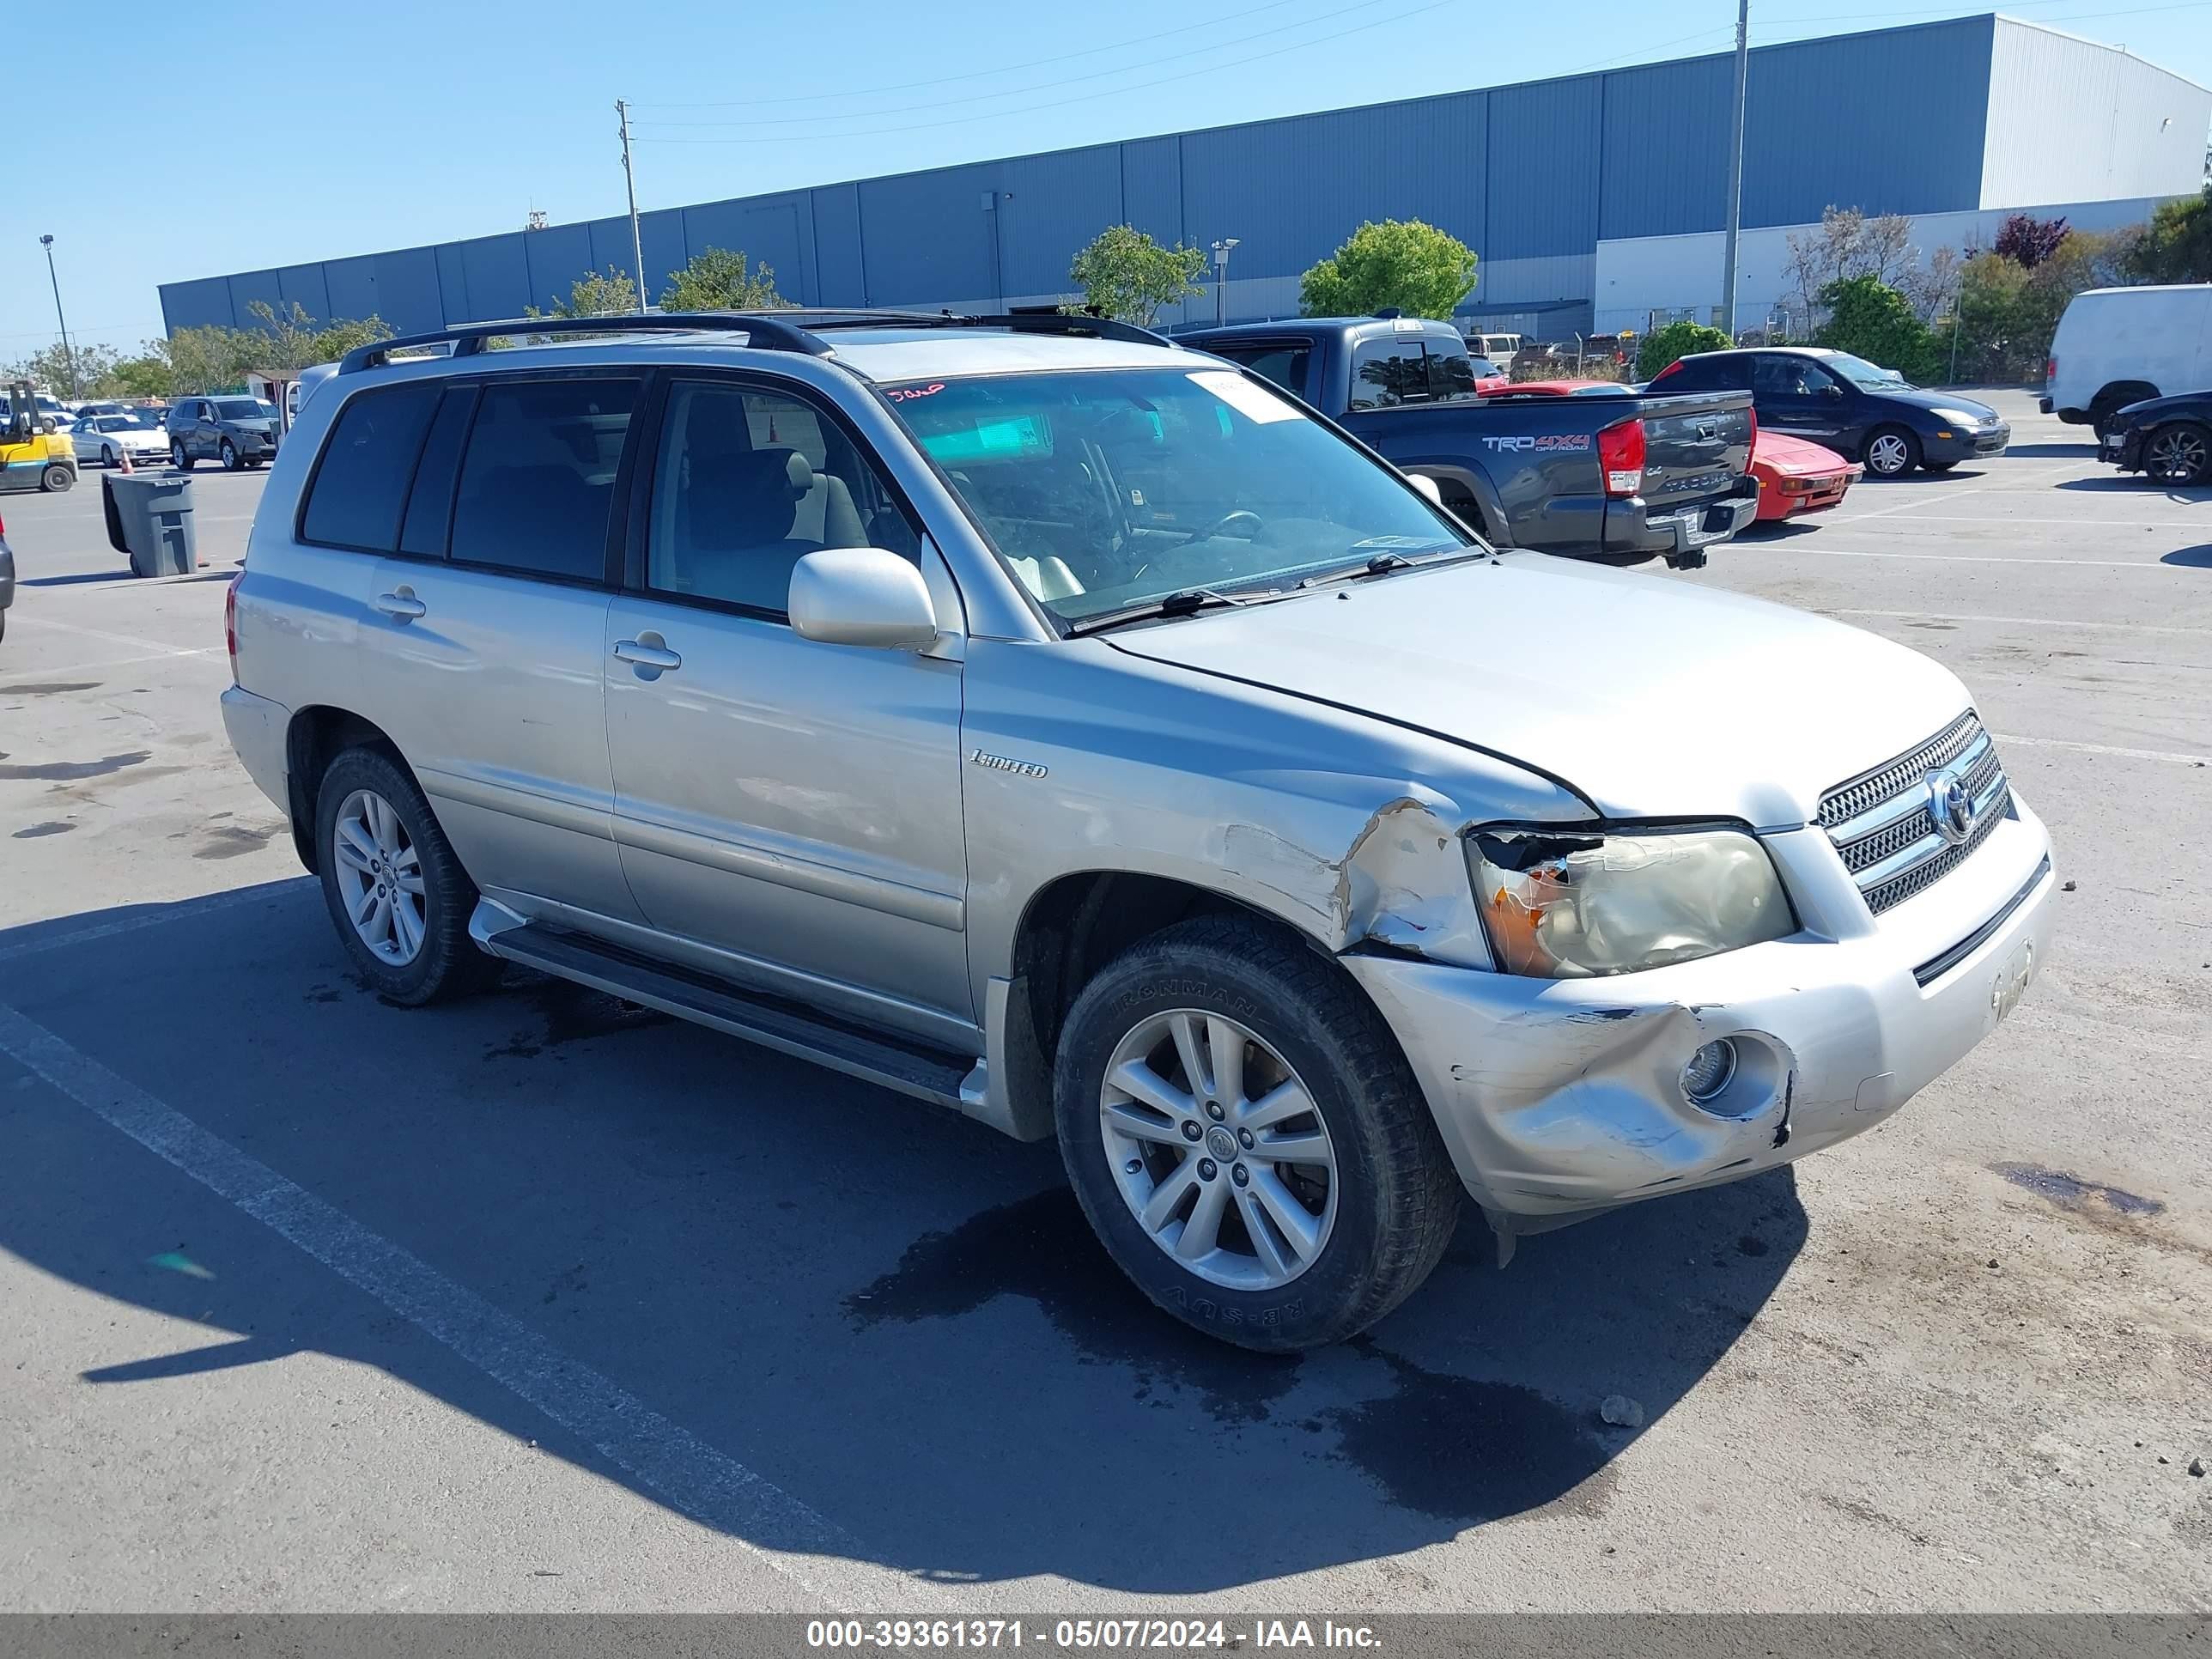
[(360, 482), (1285, 365), (1786, 377), (538, 474), (430, 501), (750, 483), (1388, 370)]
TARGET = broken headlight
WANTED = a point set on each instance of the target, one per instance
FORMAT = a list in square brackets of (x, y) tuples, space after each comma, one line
[(1564, 906)]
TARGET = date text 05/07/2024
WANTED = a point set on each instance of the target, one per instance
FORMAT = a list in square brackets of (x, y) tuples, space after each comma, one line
[(1110, 1635)]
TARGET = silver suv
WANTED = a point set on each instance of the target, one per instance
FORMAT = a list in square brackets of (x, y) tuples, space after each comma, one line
[(1041, 719)]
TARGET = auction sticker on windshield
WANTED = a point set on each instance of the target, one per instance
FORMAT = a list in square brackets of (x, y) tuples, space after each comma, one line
[(1255, 401)]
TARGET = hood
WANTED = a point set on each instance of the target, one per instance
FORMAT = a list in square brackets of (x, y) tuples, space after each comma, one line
[(1651, 697), (1922, 399), (1798, 457)]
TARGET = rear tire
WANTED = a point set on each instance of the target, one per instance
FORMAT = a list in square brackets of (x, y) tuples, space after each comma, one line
[(1891, 452), (2178, 455), (1376, 1198), (384, 860), (2111, 401)]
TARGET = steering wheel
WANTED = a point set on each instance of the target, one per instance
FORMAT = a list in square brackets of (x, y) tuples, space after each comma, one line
[(1247, 524)]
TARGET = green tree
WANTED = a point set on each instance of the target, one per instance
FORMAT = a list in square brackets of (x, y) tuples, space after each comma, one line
[(718, 280), (1869, 319), (1124, 274), (595, 294), (210, 358), (147, 375), (49, 368), (2176, 246), (1400, 264), (291, 341), (1664, 344)]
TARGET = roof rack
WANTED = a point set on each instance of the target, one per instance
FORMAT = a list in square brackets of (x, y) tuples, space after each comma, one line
[(467, 339), (794, 329)]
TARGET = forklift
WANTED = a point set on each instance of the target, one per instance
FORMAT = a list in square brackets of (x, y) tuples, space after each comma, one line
[(33, 455)]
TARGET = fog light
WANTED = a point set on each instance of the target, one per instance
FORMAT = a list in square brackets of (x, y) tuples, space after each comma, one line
[(1709, 1072)]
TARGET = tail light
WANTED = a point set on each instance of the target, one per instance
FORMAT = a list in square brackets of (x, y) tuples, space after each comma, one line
[(230, 623), (1620, 453), (1665, 372), (1754, 415), (2049, 368)]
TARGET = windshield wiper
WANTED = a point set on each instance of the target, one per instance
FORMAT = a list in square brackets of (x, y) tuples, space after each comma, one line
[(1379, 564), (1182, 602)]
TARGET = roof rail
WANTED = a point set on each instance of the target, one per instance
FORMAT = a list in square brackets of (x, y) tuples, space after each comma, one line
[(467, 339), (792, 329)]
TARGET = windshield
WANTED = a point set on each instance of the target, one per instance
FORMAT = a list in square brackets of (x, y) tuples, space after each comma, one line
[(243, 409), (1107, 489), (1861, 373)]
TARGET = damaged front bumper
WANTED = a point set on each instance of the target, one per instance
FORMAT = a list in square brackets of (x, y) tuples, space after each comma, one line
[(1557, 1098)]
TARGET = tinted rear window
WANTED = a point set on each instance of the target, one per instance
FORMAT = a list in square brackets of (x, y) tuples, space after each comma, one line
[(539, 474), (361, 482)]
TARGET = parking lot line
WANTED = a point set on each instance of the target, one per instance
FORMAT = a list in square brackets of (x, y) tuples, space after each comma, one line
[(69, 668), (1963, 517), (689, 1475), (152, 647), (2103, 749), (1983, 558), (2014, 621)]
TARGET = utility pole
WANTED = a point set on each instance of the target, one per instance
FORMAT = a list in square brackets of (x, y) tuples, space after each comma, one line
[(629, 184), (68, 352), (1735, 166)]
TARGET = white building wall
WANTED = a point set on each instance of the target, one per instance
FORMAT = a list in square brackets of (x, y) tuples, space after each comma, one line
[(1637, 276), (2070, 120)]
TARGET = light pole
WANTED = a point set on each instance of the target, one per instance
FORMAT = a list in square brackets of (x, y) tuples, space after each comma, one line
[(1221, 279), (1736, 166), (69, 353)]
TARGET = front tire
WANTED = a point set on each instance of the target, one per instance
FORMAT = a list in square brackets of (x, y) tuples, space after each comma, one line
[(396, 892), (2178, 455), (231, 462), (1246, 1140), (107, 455), (1891, 452), (55, 479), (180, 458)]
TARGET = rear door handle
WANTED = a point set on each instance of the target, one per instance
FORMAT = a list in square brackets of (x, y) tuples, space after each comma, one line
[(403, 604), (648, 651)]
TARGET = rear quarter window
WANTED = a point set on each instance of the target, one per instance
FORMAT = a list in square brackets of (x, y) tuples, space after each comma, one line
[(360, 482)]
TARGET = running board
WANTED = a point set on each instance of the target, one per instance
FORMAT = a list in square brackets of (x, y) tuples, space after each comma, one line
[(944, 1080)]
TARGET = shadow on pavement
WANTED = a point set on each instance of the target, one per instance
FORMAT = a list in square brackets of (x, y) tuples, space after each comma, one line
[(2196, 558), (892, 1314)]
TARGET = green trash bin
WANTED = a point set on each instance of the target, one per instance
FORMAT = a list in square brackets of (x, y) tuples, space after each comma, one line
[(150, 517)]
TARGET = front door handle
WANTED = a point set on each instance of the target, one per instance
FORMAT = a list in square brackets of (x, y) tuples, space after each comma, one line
[(402, 604), (647, 651)]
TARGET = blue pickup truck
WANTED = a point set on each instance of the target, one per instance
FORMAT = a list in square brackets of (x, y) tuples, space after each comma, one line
[(1608, 474)]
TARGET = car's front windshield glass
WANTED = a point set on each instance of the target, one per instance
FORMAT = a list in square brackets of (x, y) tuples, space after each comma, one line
[(242, 408), (1109, 488), (1867, 376)]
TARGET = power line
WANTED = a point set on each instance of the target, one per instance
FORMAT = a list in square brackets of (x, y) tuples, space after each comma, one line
[(976, 74), (1017, 92), (1079, 98)]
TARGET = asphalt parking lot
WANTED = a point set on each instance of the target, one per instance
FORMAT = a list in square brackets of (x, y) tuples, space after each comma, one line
[(538, 1302)]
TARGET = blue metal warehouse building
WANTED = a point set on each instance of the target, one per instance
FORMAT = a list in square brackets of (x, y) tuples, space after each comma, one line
[(1592, 199)]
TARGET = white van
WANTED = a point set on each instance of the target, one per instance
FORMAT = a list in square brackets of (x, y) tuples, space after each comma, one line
[(2116, 346)]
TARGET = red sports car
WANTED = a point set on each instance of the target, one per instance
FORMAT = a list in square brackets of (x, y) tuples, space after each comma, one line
[(1796, 475)]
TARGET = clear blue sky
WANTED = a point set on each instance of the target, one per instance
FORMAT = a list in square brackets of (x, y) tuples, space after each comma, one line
[(335, 130)]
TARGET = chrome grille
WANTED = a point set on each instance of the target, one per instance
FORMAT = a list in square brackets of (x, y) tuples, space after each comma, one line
[(1882, 826)]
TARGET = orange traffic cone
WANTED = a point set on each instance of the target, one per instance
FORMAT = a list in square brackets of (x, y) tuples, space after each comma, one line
[(126, 465)]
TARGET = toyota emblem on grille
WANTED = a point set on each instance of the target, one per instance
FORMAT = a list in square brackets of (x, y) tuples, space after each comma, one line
[(1950, 807)]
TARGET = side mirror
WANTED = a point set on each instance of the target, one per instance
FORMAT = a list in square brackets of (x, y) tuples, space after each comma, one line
[(862, 595), (1427, 486)]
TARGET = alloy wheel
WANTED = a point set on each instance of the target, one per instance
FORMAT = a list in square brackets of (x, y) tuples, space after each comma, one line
[(1887, 454), (380, 874), (1218, 1149), (2177, 456)]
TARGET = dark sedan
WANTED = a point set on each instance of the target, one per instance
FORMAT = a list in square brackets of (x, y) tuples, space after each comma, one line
[(2167, 439), (1848, 405)]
